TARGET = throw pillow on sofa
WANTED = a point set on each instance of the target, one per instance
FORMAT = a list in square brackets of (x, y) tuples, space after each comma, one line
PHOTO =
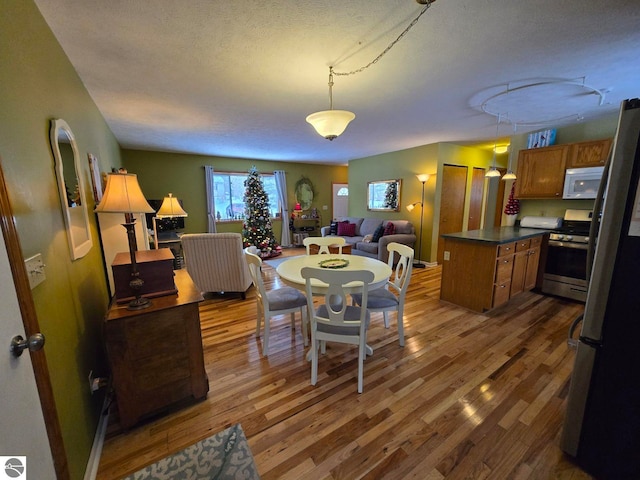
[(390, 229), (377, 234), (333, 228), (346, 229)]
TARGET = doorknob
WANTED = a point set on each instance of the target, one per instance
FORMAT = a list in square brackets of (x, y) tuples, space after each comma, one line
[(34, 343)]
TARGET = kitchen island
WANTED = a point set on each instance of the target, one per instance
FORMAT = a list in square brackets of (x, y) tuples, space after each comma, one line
[(483, 269)]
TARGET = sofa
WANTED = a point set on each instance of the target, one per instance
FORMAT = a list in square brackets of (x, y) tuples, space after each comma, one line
[(363, 234)]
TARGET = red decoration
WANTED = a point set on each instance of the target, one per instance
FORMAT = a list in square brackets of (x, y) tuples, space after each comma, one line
[(513, 204)]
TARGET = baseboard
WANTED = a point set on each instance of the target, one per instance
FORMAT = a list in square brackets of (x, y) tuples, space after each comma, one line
[(430, 264), (98, 441)]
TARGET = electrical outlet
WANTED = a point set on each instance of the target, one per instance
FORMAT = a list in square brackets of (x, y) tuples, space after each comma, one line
[(35, 270), (447, 254)]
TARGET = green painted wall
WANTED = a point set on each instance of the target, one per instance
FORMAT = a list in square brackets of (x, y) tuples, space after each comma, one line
[(405, 165), (183, 175), (38, 83)]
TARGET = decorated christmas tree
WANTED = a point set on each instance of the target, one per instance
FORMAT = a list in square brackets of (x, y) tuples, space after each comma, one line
[(513, 204), (391, 195), (257, 229)]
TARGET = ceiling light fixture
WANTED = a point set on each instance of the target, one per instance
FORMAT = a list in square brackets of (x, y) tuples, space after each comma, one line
[(331, 123), (493, 171), (509, 175)]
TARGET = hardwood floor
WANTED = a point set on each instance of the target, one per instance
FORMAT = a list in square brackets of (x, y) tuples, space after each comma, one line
[(469, 396)]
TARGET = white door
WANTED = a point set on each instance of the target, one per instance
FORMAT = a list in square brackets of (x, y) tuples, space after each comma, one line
[(340, 200), (22, 427)]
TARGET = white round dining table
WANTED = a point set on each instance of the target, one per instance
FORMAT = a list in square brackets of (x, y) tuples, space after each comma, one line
[(290, 271)]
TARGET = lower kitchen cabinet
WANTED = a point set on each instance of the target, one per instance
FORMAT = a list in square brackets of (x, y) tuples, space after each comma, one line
[(481, 275)]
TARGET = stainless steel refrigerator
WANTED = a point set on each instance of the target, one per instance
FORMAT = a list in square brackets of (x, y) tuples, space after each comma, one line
[(602, 421)]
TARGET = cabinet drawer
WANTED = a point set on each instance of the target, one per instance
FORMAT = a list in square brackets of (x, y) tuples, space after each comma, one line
[(523, 245), (506, 249), (501, 293), (504, 267), (536, 241)]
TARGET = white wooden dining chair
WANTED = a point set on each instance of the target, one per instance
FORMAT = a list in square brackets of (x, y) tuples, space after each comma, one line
[(335, 320), (391, 297), (323, 244), (274, 302)]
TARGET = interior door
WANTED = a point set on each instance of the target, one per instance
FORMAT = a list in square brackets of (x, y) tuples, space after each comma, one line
[(27, 398), (475, 202), (340, 200), (454, 187)]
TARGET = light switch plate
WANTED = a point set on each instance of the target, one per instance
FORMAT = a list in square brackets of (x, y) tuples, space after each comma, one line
[(35, 270), (447, 255)]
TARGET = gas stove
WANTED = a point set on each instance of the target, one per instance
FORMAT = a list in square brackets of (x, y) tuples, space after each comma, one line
[(575, 227)]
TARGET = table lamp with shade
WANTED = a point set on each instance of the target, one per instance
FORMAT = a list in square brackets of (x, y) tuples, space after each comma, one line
[(170, 208), (124, 195)]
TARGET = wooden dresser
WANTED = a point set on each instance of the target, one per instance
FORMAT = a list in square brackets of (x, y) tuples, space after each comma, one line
[(155, 354)]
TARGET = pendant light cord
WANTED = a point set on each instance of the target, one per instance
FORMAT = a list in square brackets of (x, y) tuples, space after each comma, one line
[(384, 52)]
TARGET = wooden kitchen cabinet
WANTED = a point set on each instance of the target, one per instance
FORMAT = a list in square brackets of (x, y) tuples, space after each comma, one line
[(483, 275), (156, 354), (525, 265), (540, 172), (589, 154)]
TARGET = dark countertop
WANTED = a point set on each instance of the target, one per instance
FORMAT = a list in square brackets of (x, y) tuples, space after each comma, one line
[(497, 235)]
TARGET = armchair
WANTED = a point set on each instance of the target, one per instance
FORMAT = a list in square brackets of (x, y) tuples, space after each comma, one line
[(215, 262)]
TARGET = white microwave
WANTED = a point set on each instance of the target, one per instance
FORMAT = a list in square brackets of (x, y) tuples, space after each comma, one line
[(582, 182)]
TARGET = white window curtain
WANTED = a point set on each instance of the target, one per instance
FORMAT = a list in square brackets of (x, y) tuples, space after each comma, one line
[(211, 201), (281, 185)]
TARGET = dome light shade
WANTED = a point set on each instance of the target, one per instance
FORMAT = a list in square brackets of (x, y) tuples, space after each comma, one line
[(330, 123), (509, 176), (492, 172)]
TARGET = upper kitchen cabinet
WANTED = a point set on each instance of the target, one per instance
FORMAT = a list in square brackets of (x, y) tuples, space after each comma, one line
[(541, 172), (589, 154)]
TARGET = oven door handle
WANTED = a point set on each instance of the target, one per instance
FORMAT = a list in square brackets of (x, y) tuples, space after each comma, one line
[(577, 246)]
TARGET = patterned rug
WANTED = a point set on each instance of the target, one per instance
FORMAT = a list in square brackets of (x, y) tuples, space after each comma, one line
[(226, 455), (274, 262)]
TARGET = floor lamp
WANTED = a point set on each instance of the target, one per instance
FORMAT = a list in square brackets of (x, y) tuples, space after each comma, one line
[(422, 178), (124, 195)]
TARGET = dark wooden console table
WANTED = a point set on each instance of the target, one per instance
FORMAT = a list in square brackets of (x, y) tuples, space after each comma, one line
[(156, 354)]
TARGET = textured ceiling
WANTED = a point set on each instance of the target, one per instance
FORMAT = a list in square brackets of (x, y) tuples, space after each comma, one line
[(237, 79)]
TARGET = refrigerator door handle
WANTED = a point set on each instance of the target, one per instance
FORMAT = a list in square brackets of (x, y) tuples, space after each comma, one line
[(571, 341), (597, 210)]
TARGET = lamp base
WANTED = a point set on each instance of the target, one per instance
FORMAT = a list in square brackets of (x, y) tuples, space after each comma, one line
[(139, 303)]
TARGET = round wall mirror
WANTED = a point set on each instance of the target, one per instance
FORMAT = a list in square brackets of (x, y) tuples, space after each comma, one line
[(71, 188)]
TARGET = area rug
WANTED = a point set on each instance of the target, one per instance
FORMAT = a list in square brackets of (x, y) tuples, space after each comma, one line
[(224, 456), (274, 262)]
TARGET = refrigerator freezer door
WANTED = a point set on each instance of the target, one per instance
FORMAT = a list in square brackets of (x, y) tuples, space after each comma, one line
[(576, 404)]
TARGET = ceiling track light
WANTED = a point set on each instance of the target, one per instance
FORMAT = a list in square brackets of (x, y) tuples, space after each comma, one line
[(332, 123)]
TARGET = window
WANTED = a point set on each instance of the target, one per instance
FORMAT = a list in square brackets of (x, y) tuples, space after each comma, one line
[(229, 195)]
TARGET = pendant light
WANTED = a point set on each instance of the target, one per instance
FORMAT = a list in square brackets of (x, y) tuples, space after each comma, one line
[(330, 123), (493, 171), (509, 175)]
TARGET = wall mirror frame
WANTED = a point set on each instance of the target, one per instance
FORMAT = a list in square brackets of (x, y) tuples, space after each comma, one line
[(384, 195), (71, 188)]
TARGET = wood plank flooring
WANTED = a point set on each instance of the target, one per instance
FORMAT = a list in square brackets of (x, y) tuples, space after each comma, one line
[(469, 396)]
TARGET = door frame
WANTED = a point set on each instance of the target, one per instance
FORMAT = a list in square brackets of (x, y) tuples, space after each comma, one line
[(31, 326)]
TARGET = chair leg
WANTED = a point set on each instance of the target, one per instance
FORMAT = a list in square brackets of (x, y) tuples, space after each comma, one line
[(401, 326), (258, 319), (361, 355), (314, 360), (303, 320), (265, 340), (386, 319)]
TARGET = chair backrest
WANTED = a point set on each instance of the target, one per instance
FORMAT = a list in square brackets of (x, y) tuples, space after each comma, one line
[(404, 266), (323, 243), (215, 261), (335, 297), (254, 262)]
